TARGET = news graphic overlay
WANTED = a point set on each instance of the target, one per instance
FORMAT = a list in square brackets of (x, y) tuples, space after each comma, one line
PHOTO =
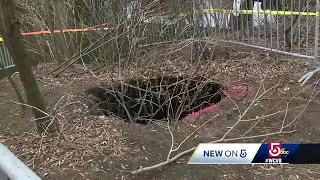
[(275, 153), (224, 153), (256, 153), (275, 149), (286, 153)]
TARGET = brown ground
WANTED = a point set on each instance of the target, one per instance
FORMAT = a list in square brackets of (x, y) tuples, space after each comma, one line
[(107, 148)]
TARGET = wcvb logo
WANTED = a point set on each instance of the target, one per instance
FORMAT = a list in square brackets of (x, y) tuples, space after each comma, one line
[(274, 150)]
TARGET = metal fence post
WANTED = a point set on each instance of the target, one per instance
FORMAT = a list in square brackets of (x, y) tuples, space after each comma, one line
[(316, 67), (316, 39), (13, 167)]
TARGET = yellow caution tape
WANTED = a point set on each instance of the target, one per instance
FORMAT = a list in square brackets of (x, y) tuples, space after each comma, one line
[(223, 11), (280, 13)]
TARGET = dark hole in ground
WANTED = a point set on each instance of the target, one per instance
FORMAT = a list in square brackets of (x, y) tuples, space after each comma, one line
[(161, 98)]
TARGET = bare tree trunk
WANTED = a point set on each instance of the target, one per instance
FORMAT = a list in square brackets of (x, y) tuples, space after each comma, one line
[(10, 31), (201, 50), (50, 23), (246, 20), (122, 42), (59, 10)]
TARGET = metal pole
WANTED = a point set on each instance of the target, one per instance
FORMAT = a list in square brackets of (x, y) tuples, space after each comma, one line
[(316, 38), (316, 67), (13, 167)]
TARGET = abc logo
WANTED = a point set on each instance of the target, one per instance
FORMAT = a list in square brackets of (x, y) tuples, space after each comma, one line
[(284, 152), (276, 150)]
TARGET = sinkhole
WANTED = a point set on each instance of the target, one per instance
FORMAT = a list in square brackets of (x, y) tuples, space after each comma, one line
[(161, 98)]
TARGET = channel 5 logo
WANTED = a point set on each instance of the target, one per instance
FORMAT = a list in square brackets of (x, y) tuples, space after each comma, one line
[(275, 150)]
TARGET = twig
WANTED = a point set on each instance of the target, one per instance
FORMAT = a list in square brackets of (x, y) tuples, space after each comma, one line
[(194, 132), (186, 152), (223, 139)]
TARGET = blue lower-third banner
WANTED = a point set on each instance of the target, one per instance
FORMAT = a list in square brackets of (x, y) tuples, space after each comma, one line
[(256, 153)]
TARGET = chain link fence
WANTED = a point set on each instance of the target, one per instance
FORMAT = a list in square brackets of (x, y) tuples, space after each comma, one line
[(288, 27), (5, 59), (282, 26)]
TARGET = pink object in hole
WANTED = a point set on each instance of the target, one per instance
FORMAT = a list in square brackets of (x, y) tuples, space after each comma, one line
[(238, 91)]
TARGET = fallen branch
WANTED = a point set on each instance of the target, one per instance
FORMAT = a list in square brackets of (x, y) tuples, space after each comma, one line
[(186, 152)]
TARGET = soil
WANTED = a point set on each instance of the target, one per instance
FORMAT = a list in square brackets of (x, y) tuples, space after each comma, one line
[(91, 147)]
